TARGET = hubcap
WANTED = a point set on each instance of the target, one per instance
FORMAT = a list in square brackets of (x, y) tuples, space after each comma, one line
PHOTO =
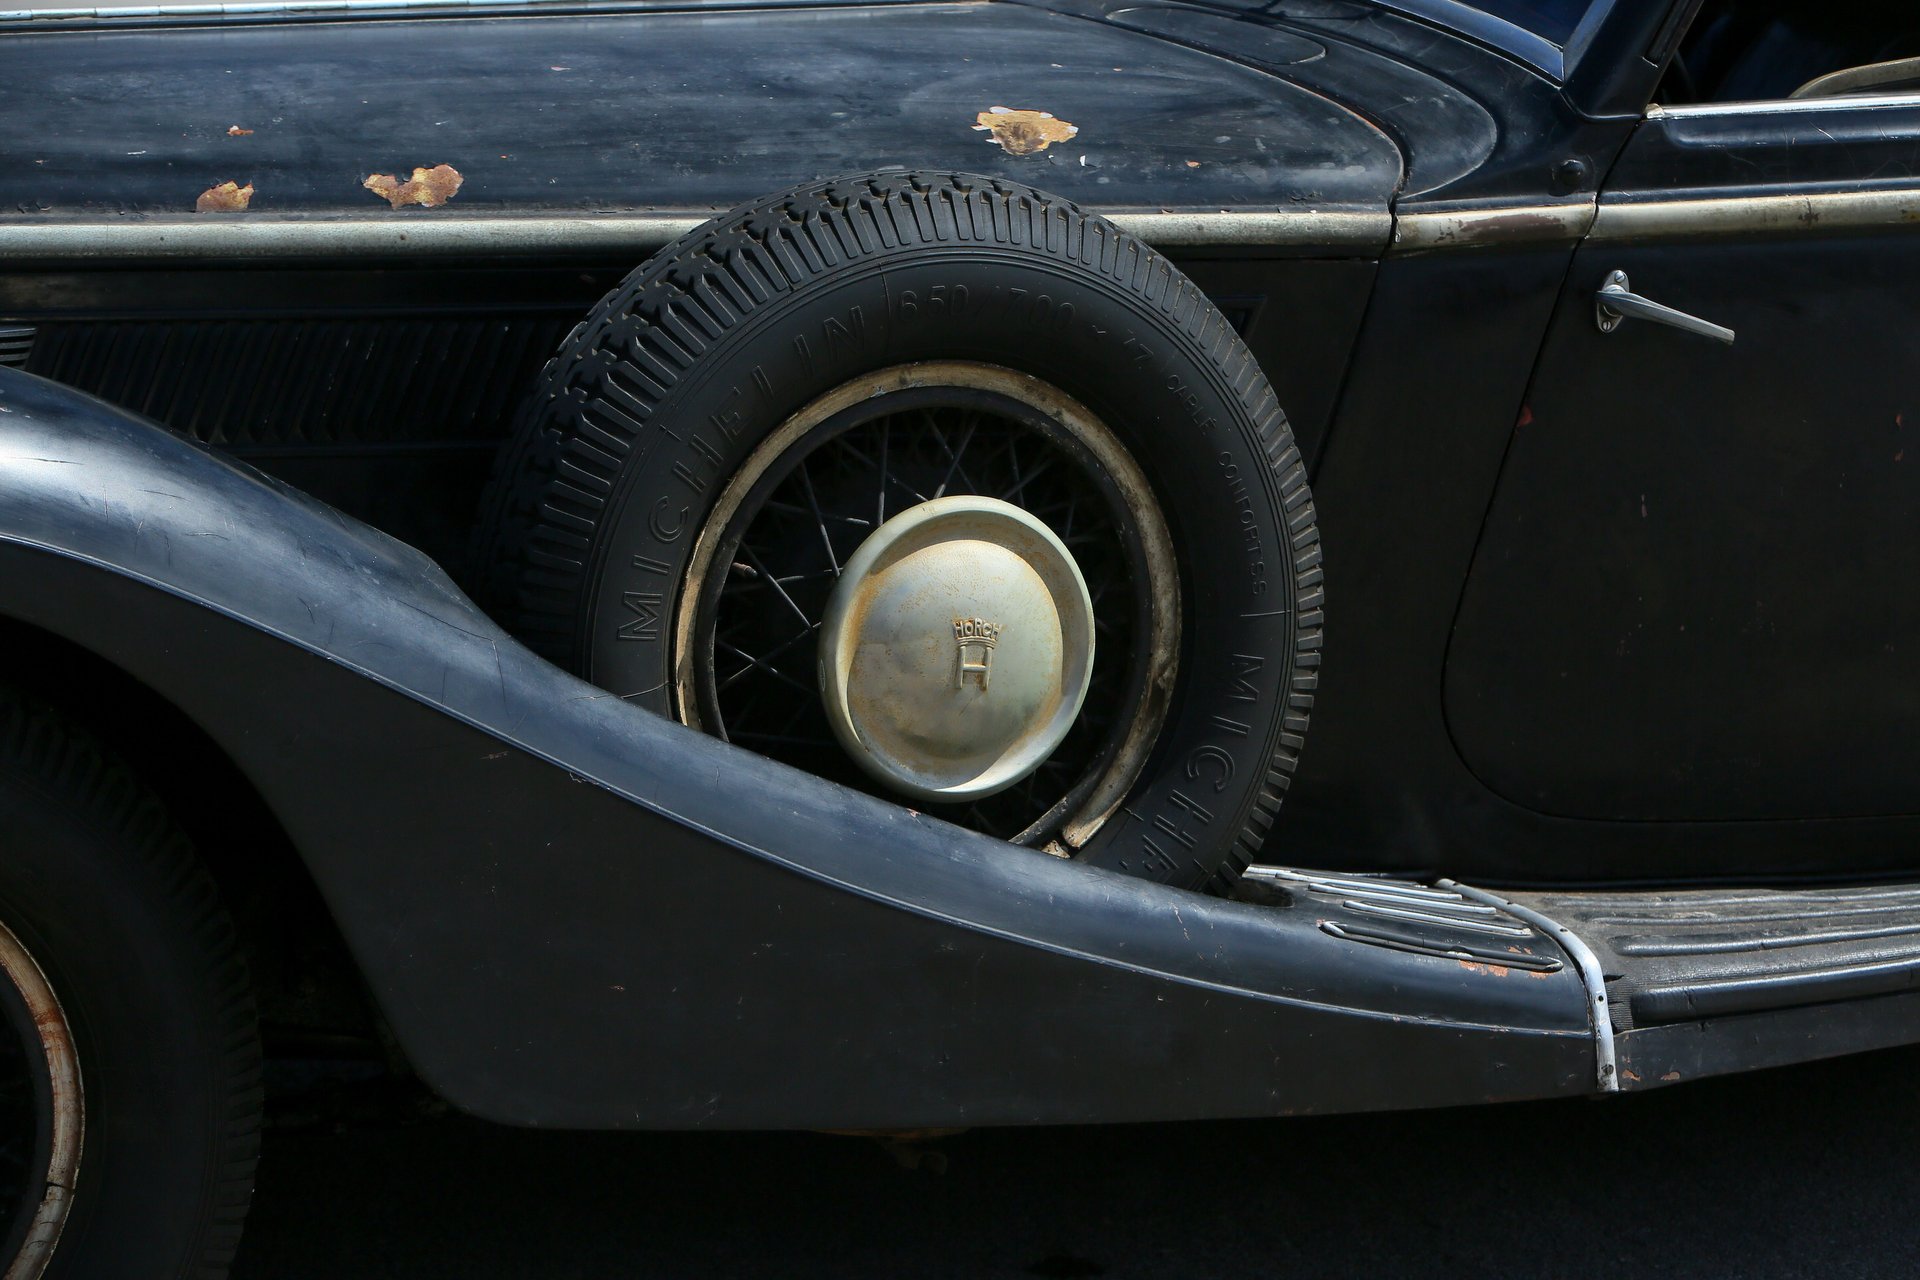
[(957, 648)]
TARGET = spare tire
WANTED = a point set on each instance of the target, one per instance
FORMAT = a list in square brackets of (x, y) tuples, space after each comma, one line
[(1014, 468)]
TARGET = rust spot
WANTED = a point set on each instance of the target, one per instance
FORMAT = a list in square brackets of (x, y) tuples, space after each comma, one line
[(1022, 133), (228, 197), (1193, 164), (429, 188), (235, 131), (1629, 1075), (1512, 226), (1671, 1076), (1474, 966), (1526, 416)]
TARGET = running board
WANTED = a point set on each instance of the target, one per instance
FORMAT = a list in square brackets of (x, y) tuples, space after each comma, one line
[(1706, 981), (1681, 983), (1692, 954)]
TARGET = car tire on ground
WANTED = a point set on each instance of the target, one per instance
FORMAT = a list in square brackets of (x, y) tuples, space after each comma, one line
[(129, 1052), (684, 489)]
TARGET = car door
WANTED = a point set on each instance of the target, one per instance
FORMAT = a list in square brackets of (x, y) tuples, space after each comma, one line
[(1697, 594)]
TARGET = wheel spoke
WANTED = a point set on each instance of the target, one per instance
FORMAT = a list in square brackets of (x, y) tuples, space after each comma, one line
[(765, 658), (775, 584), (769, 669), (1013, 495), (953, 454), (886, 439), (826, 539)]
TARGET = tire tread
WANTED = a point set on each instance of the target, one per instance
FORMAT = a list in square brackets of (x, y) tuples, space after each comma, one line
[(533, 545)]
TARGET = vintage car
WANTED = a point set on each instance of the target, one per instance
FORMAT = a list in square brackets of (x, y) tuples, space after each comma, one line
[(888, 618)]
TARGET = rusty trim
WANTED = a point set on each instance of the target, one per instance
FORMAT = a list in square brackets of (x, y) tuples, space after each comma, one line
[(1487, 227), (1757, 215), (1605, 1061), (69, 1108), (413, 235)]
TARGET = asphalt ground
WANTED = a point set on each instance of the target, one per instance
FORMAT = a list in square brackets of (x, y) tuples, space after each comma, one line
[(1810, 1171)]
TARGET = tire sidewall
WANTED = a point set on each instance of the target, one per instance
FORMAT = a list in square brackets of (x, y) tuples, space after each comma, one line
[(1106, 345), (150, 1035)]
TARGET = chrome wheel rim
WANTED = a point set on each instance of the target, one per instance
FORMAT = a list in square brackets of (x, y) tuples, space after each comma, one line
[(791, 522), (40, 1081)]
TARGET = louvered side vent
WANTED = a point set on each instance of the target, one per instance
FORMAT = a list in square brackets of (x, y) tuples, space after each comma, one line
[(16, 344), (329, 383)]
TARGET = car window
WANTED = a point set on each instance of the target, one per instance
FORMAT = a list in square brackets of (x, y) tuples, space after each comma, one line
[(1552, 20), (1763, 50)]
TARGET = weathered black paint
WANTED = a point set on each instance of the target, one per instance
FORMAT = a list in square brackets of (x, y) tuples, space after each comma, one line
[(576, 913), (660, 110), (1703, 557), (1015, 988)]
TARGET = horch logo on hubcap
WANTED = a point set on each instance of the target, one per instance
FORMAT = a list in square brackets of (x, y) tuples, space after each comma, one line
[(975, 638)]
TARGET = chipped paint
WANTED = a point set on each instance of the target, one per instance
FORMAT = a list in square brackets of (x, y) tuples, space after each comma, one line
[(228, 197), (235, 131), (1475, 966), (429, 188), (1021, 132)]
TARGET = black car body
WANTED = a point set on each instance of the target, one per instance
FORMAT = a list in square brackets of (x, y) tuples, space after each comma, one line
[(1611, 777)]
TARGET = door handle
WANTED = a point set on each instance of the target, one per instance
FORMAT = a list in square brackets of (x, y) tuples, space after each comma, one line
[(1615, 303)]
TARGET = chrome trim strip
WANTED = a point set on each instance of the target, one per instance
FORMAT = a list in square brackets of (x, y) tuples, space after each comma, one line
[(1780, 106), (1486, 227), (1592, 977), (1490, 927), (1302, 228), (1756, 215), (247, 236), (261, 8), (1358, 886)]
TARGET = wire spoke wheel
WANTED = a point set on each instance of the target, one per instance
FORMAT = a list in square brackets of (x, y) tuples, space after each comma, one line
[(941, 487), (780, 541)]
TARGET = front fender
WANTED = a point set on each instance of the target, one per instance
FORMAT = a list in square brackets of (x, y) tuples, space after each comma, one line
[(577, 914)]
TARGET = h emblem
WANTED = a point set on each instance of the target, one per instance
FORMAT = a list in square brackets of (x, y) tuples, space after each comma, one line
[(975, 638)]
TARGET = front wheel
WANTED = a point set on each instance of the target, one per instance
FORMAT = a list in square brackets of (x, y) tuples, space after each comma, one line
[(129, 1056), (942, 488)]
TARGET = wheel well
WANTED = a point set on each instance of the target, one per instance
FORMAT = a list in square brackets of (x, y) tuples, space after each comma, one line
[(313, 1001)]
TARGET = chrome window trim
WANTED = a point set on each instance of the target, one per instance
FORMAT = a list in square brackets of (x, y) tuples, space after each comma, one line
[(1781, 106)]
